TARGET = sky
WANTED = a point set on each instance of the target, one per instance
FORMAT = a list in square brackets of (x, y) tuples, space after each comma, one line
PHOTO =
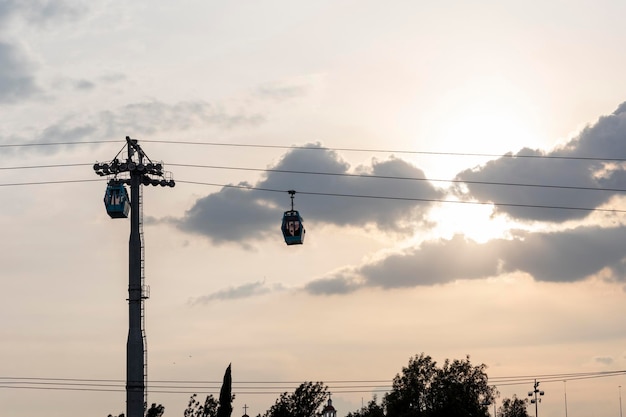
[(483, 130)]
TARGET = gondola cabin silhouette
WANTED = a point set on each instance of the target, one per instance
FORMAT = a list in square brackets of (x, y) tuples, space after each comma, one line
[(293, 230), (292, 227), (116, 200)]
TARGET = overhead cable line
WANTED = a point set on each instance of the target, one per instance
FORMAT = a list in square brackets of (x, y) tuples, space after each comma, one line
[(370, 196), (324, 148), (287, 383), (344, 174), (44, 166), (392, 177), (179, 381), (47, 182), (398, 151), (34, 144), (415, 199), (559, 376)]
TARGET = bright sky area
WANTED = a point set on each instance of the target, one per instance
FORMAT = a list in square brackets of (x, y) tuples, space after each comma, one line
[(528, 280)]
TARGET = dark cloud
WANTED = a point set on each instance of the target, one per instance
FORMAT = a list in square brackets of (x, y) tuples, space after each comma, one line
[(261, 212), (232, 214), (334, 285), (16, 77), (567, 256), (243, 291), (604, 139)]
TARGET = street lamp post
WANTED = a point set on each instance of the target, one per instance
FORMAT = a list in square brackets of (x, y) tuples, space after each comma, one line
[(535, 400)]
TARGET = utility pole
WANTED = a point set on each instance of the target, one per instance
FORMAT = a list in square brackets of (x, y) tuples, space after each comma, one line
[(535, 400), (565, 390), (135, 169)]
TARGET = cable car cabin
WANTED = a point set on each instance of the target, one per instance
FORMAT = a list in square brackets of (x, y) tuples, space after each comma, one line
[(293, 230), (116, 201)]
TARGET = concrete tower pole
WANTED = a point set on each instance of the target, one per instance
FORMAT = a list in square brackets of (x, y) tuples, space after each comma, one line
[(135, 386), (140, 174)]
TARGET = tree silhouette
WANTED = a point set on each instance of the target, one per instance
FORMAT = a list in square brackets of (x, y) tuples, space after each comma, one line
[(372, 409), (458, 389), (513, 407), (225, 408), (197, 409), (303, 402)]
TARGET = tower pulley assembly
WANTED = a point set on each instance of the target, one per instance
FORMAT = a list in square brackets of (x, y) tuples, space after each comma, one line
[(116, 199)]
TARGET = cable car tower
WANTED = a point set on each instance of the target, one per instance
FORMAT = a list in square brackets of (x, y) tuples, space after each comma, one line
[(135, 169)]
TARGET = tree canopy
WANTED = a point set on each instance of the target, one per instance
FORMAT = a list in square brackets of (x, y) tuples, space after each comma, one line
[(303, 402), (155, 410), (372, 409), (197, 409), (513, 407), (457, 389)]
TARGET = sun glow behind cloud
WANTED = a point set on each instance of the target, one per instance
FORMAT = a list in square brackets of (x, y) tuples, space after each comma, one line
[(474, 221), (488, 115)]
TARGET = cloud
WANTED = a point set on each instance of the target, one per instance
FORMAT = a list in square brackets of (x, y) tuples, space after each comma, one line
[(243, 291), (141, 118), (333, 285), (153, 116), (16, 78), (41, 12), (604, 139), (604, 360), (51, 11), (232, 214), (281, 92), (74, 84), (238, 215), (567, 256)]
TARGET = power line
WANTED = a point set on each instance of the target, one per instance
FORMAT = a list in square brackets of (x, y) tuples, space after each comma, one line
[(261, 387), (558, 376)]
